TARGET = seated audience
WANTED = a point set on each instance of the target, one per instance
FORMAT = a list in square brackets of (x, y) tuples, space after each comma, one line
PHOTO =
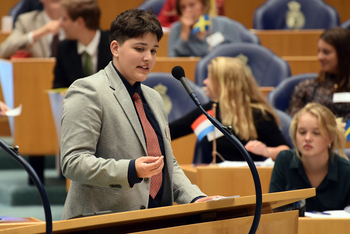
[(333, 79), (318, 160), (242, 106), (24, 6), (188, 38), (86, 49), (168, 15), (3, 109), (35, 34)]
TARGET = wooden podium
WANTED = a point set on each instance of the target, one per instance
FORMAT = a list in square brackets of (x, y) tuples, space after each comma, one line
[(230, 215), (227, 181), (25, 81)]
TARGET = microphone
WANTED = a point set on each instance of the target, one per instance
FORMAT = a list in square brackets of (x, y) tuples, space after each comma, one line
[(178, 73)]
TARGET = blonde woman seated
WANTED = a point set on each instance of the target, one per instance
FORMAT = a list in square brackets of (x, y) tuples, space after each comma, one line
[(242, 106), (316, 135)]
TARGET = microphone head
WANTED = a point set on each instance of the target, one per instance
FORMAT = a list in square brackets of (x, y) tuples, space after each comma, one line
[(178, 72)]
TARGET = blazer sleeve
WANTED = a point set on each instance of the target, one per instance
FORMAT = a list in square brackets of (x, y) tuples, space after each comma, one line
[(81, 127), (18, 39)]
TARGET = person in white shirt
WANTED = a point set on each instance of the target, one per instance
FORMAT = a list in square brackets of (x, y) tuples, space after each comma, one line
[(86, 48)]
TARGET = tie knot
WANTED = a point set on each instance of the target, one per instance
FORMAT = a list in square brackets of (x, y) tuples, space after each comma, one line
[(136, 96), (86, 54)]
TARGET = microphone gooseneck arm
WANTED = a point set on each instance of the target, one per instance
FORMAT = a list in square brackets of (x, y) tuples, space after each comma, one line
[(179, 74), (44, 199)]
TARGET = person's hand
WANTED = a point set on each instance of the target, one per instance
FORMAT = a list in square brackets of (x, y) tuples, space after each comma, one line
[(3, 109), (204, 199), (53, 27), (149, 166), (187, 22), (257, 147)]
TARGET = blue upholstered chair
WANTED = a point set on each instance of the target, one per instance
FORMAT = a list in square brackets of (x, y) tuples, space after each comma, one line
[(346, 24), (246, 34), (267, 68), (155, 4), (280, 96), (285, 121), (347, 152), (176, 100), (299, 14)]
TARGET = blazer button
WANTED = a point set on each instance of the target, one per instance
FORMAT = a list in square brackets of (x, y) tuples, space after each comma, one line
[(146, 179), (115, 186), (143, 207)]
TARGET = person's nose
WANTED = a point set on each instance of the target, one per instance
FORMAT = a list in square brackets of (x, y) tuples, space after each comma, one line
[(320, 56), (308, 137), (147, 56), (205, 81)]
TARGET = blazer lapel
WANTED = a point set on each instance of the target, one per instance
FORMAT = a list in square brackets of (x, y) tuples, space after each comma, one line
[(123, 98), (44, 44)]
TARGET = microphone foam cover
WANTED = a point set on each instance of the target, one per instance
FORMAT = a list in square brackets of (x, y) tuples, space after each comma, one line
[(178, 72)]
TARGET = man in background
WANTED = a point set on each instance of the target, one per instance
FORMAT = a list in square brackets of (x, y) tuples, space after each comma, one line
[(86, 48), (35, 34)]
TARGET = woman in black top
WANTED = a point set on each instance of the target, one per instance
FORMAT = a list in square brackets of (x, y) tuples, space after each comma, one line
[(242, 106)]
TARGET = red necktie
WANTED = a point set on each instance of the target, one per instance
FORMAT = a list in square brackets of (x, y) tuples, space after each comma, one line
[(151, 142)]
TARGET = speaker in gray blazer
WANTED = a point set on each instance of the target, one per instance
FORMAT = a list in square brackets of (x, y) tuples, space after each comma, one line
[(101, 134)]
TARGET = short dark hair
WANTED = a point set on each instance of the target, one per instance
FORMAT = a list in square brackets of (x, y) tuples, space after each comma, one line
[(134, 23), (87, 9)]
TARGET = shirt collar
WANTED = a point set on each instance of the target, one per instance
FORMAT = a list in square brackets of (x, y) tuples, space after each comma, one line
[(46, 17), (92, 47), (131, 89), (332, 166)]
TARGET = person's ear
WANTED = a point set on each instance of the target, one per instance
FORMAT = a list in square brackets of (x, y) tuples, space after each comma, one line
[(114, 46), (80, 20), (330, 142)]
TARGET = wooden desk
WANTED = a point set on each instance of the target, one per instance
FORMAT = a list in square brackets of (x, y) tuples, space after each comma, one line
[(25, 82), (281, 42), (3, 36), (323, 225), (232, 215), (290, 42), (227, 181), (166, 64), (303, 64), (7, 225)]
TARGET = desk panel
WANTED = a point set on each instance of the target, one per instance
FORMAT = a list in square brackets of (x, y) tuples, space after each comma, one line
[(166, 64), (3, 36), (227, 181), (25, 81), (303, 64), (290, 42), (323, 225)]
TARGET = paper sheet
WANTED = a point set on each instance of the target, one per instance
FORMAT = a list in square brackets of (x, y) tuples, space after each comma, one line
[(14, 112)]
